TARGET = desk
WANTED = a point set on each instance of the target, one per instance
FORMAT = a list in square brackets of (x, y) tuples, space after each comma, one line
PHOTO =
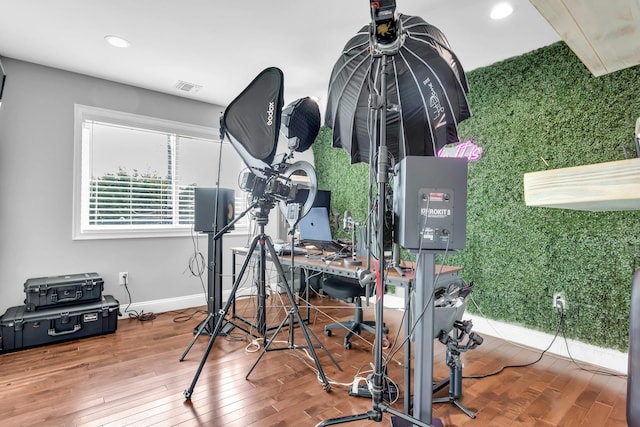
[(338, 268)]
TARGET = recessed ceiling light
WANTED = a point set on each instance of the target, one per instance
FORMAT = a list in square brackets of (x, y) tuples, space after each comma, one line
[(501, 11), (117, 41)]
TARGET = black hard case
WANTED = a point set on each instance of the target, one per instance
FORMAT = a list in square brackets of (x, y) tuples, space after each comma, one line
[(21, 328), (45, 292)]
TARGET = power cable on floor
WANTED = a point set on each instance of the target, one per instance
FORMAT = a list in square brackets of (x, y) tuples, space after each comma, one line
[(133, 314)]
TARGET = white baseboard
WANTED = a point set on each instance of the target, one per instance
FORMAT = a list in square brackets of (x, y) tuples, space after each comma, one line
[(605, 357), (179, 303), (168, 304)]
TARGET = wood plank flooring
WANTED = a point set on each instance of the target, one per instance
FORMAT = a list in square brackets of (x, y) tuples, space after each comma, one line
[(134, 378)]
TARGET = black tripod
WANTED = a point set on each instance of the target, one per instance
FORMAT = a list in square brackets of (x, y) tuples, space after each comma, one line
[(262, 218), (454, 348), (290, 320)]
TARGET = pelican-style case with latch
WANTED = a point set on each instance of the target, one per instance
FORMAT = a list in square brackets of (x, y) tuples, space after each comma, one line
[(46, 292), (21, 328)]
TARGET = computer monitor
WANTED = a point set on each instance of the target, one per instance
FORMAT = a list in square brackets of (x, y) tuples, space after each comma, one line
[(322, 200)]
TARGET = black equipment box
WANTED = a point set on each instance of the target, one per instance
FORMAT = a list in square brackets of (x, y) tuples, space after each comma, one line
[(45, 292), (430, 203), (21, 328)]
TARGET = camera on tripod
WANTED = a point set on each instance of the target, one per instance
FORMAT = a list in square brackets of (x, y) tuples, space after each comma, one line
[(274, 187)]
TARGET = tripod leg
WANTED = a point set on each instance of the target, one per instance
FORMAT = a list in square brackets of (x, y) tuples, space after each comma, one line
[(456, 402), (464, 408), (455, 384), (296, 311), (348, 419), (294, 308), (268, 343), (202, 327), (222, 314)]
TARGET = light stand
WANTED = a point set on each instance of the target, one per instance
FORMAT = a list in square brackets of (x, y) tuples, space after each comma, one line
[(263, 205), (419, 107), (378, 406)]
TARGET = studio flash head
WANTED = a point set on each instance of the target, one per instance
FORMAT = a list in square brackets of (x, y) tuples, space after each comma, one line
[(383, 16)]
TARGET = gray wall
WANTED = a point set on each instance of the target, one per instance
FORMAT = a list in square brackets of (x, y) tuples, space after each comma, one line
[(36, 177)]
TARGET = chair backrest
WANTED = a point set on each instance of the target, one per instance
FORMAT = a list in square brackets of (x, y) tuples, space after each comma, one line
[(633, 372)]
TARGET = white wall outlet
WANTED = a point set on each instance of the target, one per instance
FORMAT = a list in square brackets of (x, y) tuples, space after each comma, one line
[(123, 278), (559, 301)]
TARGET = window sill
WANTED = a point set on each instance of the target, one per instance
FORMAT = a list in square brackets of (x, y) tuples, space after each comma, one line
[(148, 234)]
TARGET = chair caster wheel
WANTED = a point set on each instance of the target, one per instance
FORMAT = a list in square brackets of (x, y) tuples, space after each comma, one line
[(385, 343), (347, 345), (327, 332), (187, 394)]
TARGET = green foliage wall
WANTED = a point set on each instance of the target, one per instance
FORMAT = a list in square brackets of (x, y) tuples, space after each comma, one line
[(542, 110)]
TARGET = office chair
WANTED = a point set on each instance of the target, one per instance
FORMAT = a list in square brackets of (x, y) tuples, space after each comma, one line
[(348, 290), (633, 372)]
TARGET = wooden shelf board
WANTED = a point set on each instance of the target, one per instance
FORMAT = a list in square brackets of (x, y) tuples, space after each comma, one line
[(611, 186)]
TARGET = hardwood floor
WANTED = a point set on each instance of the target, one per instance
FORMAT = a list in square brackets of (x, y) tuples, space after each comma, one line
[(133, 377)]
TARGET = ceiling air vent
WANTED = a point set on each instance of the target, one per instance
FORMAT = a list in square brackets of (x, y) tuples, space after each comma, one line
[(187, 87)]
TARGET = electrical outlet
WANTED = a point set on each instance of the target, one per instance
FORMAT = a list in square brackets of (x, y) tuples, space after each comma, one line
[(123, 278), (559, 301)]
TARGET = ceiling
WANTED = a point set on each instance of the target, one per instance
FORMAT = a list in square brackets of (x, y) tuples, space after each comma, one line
[(223, 45)]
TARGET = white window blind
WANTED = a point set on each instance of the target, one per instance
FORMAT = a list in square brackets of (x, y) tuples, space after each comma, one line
[(138, 174)]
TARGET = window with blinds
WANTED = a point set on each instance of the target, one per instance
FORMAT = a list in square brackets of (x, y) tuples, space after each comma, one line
[(137, 174)]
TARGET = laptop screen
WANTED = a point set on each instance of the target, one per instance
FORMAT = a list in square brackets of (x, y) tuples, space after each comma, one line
[(314, 226)]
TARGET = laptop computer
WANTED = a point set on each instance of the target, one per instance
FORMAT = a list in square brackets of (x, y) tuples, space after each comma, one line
[(315, 230)]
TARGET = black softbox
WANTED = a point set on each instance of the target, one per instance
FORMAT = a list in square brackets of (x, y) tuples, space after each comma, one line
[(301, 121), (252, 120)]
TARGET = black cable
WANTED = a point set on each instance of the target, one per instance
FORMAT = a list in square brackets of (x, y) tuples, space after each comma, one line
[(198, 264), (524, 365), (133, 314), (424, 309), (184, 316), (393, 350), (593, 371), (561, 328)]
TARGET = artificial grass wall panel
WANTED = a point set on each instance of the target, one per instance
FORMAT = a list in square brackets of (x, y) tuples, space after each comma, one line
[(542, 110)]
